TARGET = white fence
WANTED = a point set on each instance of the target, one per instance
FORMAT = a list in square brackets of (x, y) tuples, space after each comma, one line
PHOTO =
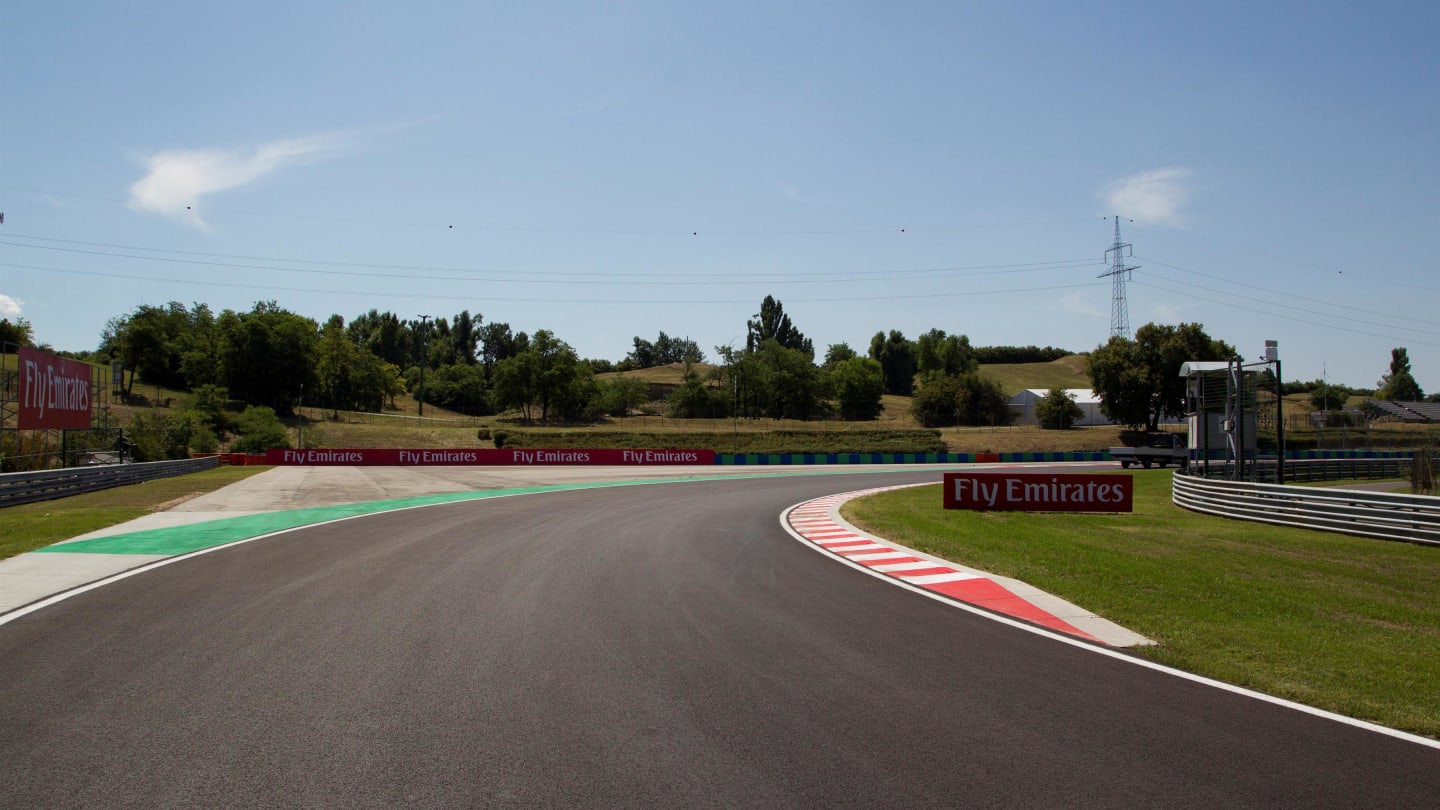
[(1411, 518)]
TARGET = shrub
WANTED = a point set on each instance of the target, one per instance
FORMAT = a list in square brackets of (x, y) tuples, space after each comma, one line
[(1057, 410), (968, 399), (260, 429)]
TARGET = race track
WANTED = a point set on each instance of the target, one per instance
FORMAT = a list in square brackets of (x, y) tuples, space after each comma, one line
[(654, 646)]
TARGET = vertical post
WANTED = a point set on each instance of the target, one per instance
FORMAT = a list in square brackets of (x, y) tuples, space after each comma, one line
[(424, 352), (1279, 426)]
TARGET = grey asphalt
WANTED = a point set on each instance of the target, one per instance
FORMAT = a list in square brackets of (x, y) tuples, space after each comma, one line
[(28, 578), (666, 646)]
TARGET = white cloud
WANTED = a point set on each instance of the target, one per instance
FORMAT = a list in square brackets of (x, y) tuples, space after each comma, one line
[(1166, 313), (9, 307), (1081, 303), (177, 180), (1155, 197)]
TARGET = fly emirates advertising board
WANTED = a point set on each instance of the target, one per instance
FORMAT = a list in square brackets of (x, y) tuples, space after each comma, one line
[(1039, 492)]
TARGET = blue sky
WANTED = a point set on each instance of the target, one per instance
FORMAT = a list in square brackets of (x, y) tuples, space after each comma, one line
[(619, 169)]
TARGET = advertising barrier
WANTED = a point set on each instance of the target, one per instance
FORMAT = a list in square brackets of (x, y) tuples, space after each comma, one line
[(1039, 492), (486, 457), (54, 392)]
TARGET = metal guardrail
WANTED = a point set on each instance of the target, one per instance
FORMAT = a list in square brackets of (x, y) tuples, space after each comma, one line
[(1334, 469), (45, 485), (1388, 516)]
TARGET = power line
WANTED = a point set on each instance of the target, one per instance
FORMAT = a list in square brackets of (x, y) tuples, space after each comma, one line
[(548, 299), (443, 225), (1286, 293), (1307, 321), (667, 278), (1299, 309)]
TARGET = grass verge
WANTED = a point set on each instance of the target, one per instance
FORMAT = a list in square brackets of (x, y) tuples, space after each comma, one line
[(32, 525), (1346, 624)]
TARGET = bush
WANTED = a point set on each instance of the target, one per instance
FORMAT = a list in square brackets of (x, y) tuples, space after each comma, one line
[(619, 395), (968, 399), (500, 437), (1058, 410), (209, 402), (160, 436), (260, 429), (694, 400)]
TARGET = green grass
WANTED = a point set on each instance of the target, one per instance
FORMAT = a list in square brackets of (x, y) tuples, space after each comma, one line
[(32, 525), (1346, 624), (1067, 372)]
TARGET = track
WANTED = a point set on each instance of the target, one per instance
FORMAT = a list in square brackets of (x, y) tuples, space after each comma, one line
[(644, 647)]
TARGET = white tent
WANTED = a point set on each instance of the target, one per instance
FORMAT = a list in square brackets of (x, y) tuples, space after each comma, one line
[(1023, 405)]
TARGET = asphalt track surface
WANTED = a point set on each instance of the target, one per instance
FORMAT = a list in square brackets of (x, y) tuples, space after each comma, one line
[(656, 646)]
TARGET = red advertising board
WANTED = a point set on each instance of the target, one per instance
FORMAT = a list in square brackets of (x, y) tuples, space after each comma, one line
[(1039, 492), (362, 457), (54, 392)]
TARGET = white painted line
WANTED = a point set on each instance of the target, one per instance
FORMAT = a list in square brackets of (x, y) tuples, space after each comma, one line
[(905, 566), (893, 555), (932, 579), (864, 547)]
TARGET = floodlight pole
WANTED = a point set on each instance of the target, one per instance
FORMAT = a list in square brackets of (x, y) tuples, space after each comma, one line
[(424, 351)]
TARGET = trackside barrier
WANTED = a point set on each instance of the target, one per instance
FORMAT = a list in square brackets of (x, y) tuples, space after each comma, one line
[(234, 459), (762, 459), (45, 485), (1388, 516)]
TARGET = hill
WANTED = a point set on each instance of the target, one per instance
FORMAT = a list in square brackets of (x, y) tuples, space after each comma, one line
[(1067, 372)]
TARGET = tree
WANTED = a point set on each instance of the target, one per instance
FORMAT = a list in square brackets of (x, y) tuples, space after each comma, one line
[(465, 340), (1057, 410), (1399, 384), (514, 384), (838, 352), (1139, 380), (771, 323), (383, 334), (200, 349), (939, 353), (857, 383), (620, 394), (16, 333), (967, 399), (497, 344), (335, 360), (1329, 396), (210, 402), (374, 382), (987, 355), (459, 387), (692, 399), (896, 356), (547, 374), (268, 354), (149, 343), (797, 390)]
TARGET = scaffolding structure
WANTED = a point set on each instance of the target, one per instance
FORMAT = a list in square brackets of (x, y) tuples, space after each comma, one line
[(1236, 429), (41, 449)]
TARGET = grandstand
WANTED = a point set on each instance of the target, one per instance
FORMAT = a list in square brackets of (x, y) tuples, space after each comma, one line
[(1408, 411)]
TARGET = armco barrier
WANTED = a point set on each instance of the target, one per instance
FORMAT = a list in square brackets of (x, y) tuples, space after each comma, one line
[(45, 485), (1411, 518)]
